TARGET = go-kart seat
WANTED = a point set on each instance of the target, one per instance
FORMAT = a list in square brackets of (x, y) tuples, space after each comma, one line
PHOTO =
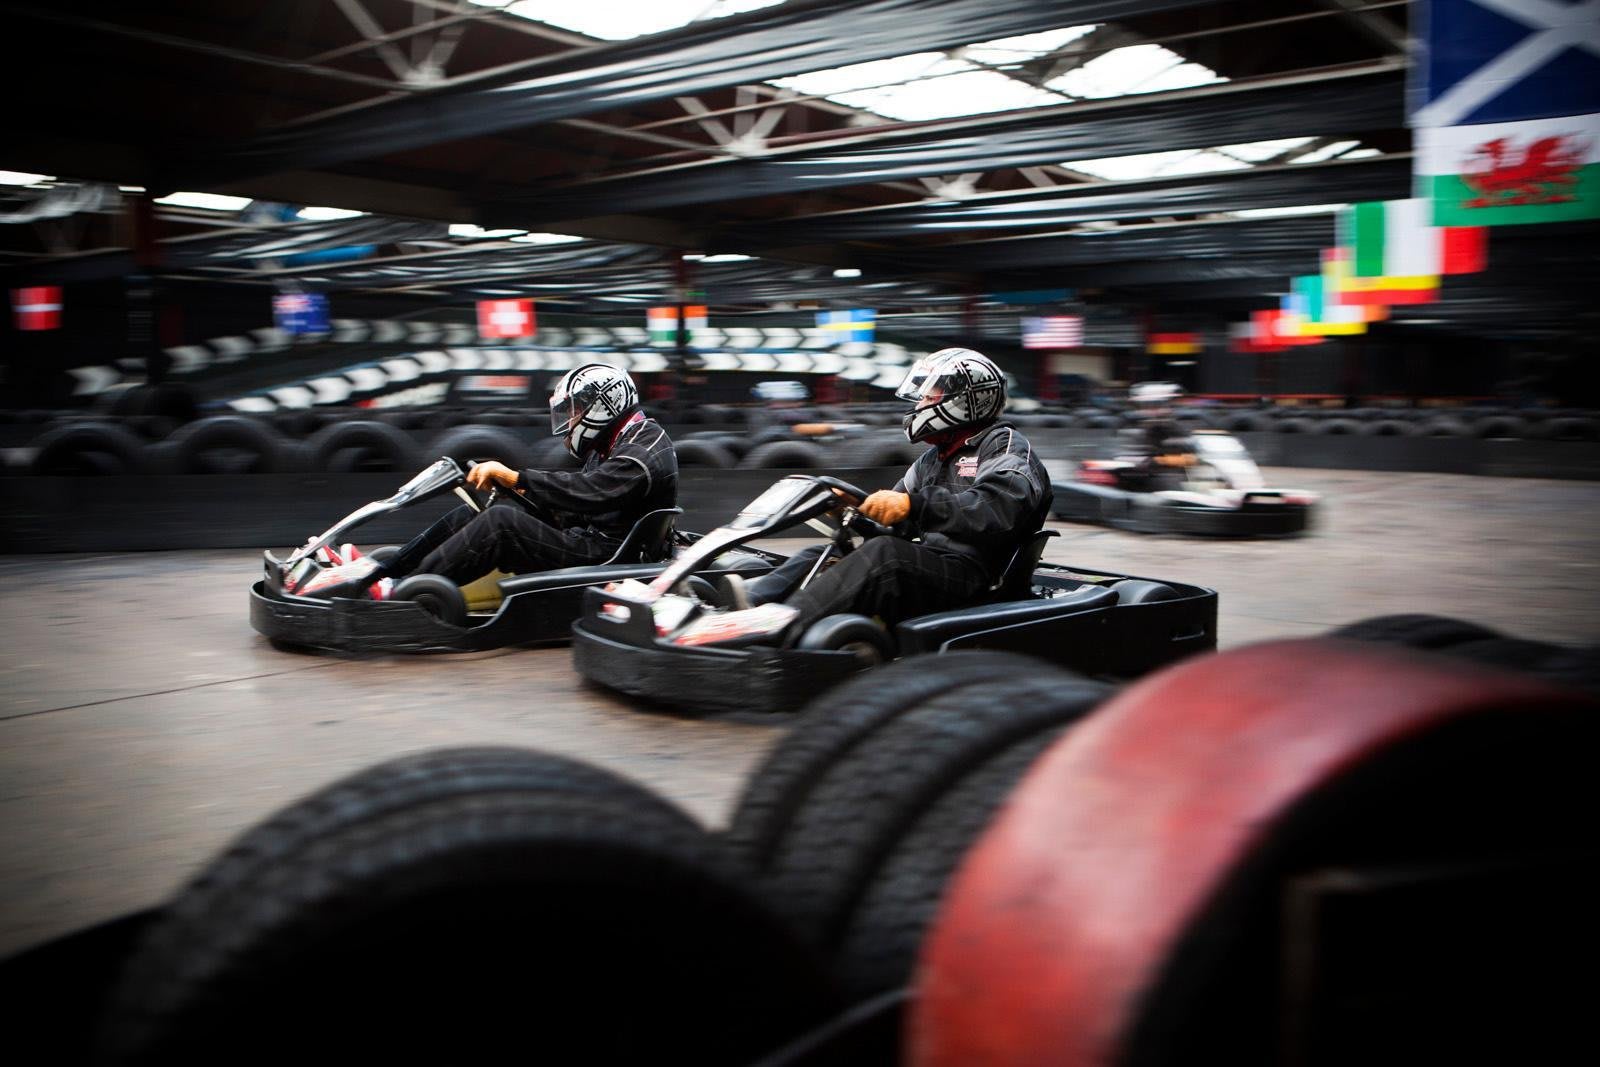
[(1016, 581), (650, 539)]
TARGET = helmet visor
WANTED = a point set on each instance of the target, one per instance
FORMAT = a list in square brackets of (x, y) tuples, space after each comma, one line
[(931, 380), (566, 409)]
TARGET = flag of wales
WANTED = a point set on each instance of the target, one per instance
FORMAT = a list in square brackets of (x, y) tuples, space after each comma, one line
[(1506, 111)]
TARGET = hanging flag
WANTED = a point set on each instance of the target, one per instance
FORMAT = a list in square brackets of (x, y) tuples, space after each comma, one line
[(505, 318), (299, 313), (1394, 239), (1344, 288), (1172, 344), (37, 307), (1312, 315), (1275, 330), (1052, 331), (663, 323), (856, 325), (1507, 111)]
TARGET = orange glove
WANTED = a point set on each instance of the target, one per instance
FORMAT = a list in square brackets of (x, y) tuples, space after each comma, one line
[(887, 506)]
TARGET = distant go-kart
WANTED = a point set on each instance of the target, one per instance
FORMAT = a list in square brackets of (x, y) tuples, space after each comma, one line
[(671, 641), (1212, 487), (430, 613)]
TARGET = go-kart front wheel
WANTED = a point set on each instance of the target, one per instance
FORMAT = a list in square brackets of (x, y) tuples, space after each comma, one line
[(850, 633), (437, 595)]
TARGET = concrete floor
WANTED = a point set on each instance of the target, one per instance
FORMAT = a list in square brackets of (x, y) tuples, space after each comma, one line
[(143, 723)]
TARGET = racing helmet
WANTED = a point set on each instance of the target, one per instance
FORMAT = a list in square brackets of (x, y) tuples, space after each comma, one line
[(587, 400), (953, 389)]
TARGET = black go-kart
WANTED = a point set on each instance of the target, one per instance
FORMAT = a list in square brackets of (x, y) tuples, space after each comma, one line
[(672, 642), (430, 613), (1208, 487)]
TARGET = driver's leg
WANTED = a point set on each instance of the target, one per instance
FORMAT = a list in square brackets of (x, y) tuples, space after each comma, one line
[(509, 539), (890, 578), (406, 561), (777, 583)]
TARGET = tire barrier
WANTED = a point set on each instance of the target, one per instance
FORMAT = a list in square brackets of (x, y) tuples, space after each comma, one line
[(1296, 852), (1388, 428), (1335, 426), (1573, 429), (1245, 422), (875, 451), (400, 893), (175, 402), (857, 818), (704, 452), (88, 449), (787, 454), (365, 445), (1444, 426), (478, 443), (1296, 424), (1499, 426), (1578, 668), (550, 454), (223, 444), (297, 424)]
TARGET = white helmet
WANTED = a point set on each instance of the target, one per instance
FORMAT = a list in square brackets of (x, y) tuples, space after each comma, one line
[(954, 388), (587, 400)]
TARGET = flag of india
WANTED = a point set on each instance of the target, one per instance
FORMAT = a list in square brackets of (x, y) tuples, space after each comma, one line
[(1495, 173)]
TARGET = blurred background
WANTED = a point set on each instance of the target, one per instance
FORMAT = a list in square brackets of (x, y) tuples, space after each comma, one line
[(264, 261)]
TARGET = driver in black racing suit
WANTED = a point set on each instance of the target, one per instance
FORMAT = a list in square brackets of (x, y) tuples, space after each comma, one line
[(578, 518), (973, 498)]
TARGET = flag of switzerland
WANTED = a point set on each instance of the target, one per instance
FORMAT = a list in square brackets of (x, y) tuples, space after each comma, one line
[(505, 318)]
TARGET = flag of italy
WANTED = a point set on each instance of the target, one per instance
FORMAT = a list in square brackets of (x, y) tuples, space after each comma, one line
[(1497, 173)]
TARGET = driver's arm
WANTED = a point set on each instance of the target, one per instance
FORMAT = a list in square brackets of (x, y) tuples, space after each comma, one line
[(1005, 491), (617, 480)]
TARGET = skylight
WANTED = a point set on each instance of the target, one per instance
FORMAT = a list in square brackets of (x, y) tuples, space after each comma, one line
[(1261, 151), (619, 20), (326, 214), (1337, 148), (17, 177), (1156, 164), (206, 201), (545, 239), (1139, 68), (467, 229), (1278, 212)]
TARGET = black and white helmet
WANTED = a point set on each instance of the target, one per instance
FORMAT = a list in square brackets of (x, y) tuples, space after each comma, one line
[(587, 400), (954, 388)]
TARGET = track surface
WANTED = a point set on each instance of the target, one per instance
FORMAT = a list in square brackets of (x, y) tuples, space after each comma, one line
[(143, 723)]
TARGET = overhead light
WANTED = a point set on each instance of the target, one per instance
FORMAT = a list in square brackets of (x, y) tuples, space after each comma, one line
[(130, 188), (1422, 322), (18, 177), (467, 229), (847, 272), (724, 257), (326, 214), (207, 201)]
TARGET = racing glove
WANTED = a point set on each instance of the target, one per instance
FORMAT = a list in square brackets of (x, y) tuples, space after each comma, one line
[(887, 507)]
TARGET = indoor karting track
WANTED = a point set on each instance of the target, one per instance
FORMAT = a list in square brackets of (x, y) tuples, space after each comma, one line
[(145, 723)]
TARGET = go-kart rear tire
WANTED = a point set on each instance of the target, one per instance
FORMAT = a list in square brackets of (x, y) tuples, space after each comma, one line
[(861, 860), (438, 595), (850, 633), (526, 890), (1138, 591)]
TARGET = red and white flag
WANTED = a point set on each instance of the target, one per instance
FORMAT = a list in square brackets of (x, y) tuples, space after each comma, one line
[(37, 307), (505, 318)]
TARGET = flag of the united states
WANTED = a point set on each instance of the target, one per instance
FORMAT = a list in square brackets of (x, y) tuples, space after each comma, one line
[(1052, 331)]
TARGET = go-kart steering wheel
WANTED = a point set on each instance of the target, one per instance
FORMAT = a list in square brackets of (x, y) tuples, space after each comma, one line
[(857, 522)]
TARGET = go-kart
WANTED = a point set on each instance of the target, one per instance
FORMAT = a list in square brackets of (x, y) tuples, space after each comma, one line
[(429, 613), (673, 642), (1209, 486)]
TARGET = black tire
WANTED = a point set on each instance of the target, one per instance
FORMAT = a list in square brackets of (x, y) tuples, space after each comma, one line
[(87, 449), (1414, 631), (850, 633), (475, 444), (297, 424), (856, 709), (404, 419), (785, 454), (384, 448), (1337, 426), (704, 454), (586, 904), (551, 455), (876, 451), (1445, 426), (1244, 422), (1103, 422), (1294, 425), (438, 595), (1500, 426), (1138, 591), (1573, 429), (861, 816), (1388, 428), (737, 444), (152, 427), (227, 444)]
